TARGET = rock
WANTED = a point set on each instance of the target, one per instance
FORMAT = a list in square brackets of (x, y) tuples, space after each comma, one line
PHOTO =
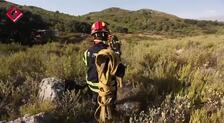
[(179, 51), (38, 118), (51, 88), (129, 107), (133, 99), (141, 93)]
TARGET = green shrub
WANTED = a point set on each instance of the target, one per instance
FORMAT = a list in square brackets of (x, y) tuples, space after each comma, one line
[(14, 94), (73, 108), (37, 107), (190, 68)]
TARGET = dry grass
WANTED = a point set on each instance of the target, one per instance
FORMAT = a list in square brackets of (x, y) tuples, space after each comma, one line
[(191, 67)]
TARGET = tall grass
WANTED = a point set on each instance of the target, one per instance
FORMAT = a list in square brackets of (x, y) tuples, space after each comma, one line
[(188, 67), (191, 68), (22, 71)]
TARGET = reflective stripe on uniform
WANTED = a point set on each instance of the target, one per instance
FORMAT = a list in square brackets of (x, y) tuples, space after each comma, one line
[(92, 83), (94, 89), (85, 57), (93, 86)]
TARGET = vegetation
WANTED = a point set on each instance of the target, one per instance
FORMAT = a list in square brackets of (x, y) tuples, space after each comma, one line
[(187, 72), (124, 21), (182, 60), (146, 20), (22, 70), (34, 19)]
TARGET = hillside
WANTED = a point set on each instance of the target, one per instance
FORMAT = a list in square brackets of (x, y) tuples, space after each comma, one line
[(139, 20), (214, 18), (174, 68), (45, 14), (146, 20), (35, 19), (120, 20)]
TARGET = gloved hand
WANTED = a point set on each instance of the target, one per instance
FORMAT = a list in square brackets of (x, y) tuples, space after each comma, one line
[(120, 70)]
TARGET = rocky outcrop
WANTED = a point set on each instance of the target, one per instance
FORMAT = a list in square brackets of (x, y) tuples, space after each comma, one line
[(51, 88)]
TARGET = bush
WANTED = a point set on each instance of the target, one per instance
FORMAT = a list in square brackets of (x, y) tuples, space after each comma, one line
[(171, 110), (73, 108), (121, 29), (16, 94), (22, 71), (188, 69), (37, 107)]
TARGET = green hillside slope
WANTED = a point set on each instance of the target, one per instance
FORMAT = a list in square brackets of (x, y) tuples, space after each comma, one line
[(146, 20), (120, 20)]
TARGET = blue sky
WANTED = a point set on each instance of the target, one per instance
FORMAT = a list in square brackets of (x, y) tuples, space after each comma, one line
[(183, 8)]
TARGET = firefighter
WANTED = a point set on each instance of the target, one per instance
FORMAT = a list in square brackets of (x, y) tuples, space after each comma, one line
[(101, 37)]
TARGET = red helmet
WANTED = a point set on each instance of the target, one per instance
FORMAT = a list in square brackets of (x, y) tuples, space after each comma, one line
[(99, 26)]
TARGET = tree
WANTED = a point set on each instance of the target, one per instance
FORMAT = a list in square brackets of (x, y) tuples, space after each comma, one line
[(22, 29)]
